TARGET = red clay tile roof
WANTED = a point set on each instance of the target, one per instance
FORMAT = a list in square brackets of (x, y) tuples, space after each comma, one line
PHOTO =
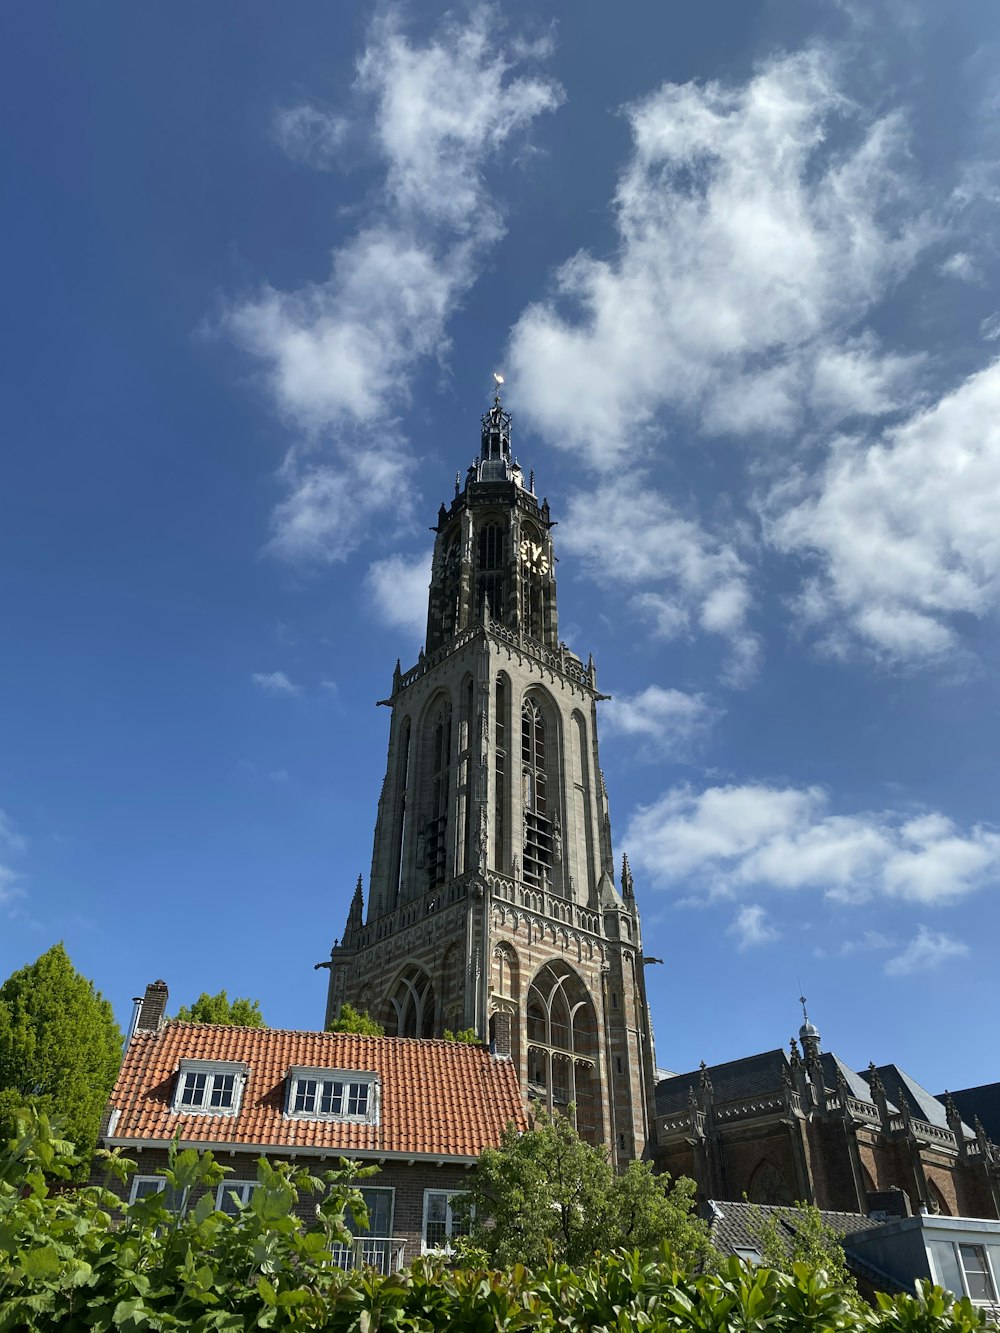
[(438, 1098)]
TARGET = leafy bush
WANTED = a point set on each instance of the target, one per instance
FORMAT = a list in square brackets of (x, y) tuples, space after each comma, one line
[(349, 1020), (75, 1261), (239, 1012)]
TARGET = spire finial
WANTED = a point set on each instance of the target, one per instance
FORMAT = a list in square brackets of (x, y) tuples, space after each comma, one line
[(805, 1016)]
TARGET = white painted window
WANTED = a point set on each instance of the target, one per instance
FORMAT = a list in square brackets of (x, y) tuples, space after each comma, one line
[(379, 1202), (443, 1219), (978, 1280), (333, 1094), (206, 1087), (231, 1194), (143, 1186)]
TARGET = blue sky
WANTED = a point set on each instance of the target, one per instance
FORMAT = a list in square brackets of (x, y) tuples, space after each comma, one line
[(738, 262)]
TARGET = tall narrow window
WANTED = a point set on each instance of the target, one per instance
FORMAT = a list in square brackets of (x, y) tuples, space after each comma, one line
[(437, 826), (469, 742), (402, 777), (451, 587), (537, 823), (491, 557), (500, 775)]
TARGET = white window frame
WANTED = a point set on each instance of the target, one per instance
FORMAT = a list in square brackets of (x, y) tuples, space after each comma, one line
[(243, 1188), (987, 1270), (359, 1078), (426, 1248), (161, 1188), (377, 1235), (211, 1069)]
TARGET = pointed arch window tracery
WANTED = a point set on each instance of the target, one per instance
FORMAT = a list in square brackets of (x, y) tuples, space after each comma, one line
[(538, 841), (562, 1045), (410, 1011)]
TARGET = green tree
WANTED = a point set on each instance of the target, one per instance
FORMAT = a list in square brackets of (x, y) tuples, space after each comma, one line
[(60, 1050), (467, 1036), (221, 1009), (349, 1020), (78, 1260), (787, 1236), (548, 1191)]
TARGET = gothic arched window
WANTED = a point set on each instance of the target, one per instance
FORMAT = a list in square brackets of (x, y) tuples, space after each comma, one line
[(534, 796), (402, 779), (491, 557), (451, 584), (502, 704), (410, 1012), (768, 1185), (562, 1044), (534, 567), (436, 843)]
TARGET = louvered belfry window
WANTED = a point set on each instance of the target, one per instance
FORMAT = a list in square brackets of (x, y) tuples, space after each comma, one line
[(491, 556), (437, 826), (537, 824)]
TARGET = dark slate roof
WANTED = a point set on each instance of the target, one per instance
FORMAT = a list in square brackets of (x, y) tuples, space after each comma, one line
[(856, 1085), (731, 1228), (984, 1102), (901, 1089), (752, 1076), (731, 1224)]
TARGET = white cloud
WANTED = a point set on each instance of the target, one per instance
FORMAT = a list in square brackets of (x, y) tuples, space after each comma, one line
[(9, 889), (750, 928), (757, 226), (10, 838), (445, 108), (962, 266), (311, 135), (989, 329), (903, 531), (683, 579), (665, 721), (723, 840), (927, 950), (398, 588), (331, 505), (338, 354), (14, 844), (274, 682), (870, 942)]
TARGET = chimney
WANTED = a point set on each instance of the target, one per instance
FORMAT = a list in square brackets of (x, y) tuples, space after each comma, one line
[(152, 1007)]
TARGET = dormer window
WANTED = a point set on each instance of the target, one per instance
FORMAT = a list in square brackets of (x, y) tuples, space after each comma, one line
[(209, 1087), (333, 1094)]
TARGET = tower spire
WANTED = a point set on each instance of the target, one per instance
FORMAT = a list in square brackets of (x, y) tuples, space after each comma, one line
[(496, 429)]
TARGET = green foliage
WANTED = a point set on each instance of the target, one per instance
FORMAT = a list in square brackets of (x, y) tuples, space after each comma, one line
[(60, 1050), (349, 1020), (548, 1193), (786, 1236), (469, 1036), (72, 1261), (220, 1008)]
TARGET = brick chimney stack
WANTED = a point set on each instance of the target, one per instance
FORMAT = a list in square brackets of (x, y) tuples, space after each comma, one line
[(152, 1007)]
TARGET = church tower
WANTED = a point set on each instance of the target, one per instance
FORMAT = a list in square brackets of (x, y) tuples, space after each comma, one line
[(492, 902)]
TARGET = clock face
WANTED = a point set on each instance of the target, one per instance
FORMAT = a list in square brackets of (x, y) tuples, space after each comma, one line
[(533, 555)]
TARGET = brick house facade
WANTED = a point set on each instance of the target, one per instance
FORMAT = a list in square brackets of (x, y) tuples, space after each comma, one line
[(421, 1110)]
